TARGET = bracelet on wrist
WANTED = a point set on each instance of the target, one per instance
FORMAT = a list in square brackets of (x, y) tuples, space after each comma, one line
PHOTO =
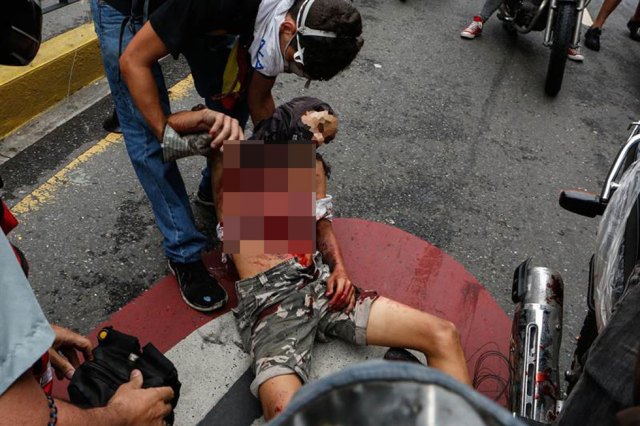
[(53, 411)]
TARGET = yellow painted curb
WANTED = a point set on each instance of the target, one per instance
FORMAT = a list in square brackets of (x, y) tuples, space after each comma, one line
[(63, 65)]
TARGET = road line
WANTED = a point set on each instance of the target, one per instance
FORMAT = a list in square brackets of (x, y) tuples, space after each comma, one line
[(586, 18), (46, 192)]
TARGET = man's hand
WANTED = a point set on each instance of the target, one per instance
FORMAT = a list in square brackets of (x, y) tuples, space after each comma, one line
[(341, 291), (64, 352), (135, 406), (222, 128)]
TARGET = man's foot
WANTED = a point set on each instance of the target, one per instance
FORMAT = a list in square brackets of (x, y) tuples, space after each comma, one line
[(634, 30), (204, 199), (400, 354), (199, 290), (592, 38), (473, 30), (575, 54), (112, 124)]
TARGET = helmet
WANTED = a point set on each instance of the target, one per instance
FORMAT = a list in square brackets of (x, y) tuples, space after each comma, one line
[(20, 32)]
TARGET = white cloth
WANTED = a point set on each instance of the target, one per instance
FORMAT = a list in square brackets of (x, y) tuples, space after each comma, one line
[(266, 57), (324, 208)]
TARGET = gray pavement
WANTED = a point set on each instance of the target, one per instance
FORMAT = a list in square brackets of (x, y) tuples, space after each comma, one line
[(448, 139)]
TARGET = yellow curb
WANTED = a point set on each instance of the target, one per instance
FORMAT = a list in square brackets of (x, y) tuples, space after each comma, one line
[(63, 65), (47, 191)]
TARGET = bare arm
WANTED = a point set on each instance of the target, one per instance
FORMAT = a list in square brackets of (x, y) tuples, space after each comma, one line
[(24, 403), (339, 286), (145, 49), (220, 126), (260, 100)]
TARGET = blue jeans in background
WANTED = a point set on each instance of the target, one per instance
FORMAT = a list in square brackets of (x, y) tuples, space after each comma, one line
[(161, 181)]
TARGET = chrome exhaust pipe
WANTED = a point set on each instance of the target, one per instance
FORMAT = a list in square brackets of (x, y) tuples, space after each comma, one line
[(536, 335)]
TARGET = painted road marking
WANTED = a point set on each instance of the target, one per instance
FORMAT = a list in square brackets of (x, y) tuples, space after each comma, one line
[(46, 192), (211, 360), (212, 365), (586, 18)]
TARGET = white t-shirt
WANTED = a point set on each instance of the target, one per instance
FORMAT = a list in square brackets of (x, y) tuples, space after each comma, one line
[(266, 56)]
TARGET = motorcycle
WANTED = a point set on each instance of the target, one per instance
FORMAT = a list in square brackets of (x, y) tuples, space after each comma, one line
[(538, 291), (560, 20)]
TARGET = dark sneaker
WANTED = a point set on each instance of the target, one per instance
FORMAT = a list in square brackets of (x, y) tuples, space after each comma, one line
[(112, 124), (634, 30), (199, 290), (592, 38), (204, 199), (400, 354)]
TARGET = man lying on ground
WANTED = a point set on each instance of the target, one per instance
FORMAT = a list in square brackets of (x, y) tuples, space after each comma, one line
[(288, 300)]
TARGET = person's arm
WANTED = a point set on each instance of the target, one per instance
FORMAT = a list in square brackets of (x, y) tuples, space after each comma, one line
[(24, 403), (144, 50), (259, 98), (339, 286), (220, 127), (64, 351)]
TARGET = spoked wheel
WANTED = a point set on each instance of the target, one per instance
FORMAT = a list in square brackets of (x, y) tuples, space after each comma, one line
[(564, 22)]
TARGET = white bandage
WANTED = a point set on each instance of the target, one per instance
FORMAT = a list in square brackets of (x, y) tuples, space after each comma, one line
[(324, 208)]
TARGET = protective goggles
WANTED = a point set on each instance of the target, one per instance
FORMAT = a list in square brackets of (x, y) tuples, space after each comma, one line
[(303, 30)]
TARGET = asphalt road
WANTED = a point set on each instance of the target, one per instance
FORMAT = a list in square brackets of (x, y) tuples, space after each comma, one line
[(448, 139)]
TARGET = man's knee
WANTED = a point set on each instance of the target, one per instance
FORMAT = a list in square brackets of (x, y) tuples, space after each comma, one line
[(275, 393), (444, 335)]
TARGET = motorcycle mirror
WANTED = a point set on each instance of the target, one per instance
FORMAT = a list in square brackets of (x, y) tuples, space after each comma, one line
[(582, 202)]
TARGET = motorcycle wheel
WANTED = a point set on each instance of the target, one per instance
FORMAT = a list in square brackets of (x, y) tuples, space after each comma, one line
[(564, 22)]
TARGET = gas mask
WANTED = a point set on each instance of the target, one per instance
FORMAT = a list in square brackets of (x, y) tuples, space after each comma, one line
[(296, 66)]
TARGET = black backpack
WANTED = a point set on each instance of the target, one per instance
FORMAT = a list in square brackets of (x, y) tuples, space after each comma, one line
[(116, 355)]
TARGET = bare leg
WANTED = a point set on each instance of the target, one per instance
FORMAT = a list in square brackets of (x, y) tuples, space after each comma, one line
[(276, 393), (605, 10), (394, 324)]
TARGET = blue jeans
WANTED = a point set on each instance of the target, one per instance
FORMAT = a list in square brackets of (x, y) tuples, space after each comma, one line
[(161, 181)]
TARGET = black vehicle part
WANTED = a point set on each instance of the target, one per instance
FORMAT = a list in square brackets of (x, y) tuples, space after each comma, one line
[(631, 243), (582, 202), (519, 286), (587, 336), (563, 25), (20, 31)]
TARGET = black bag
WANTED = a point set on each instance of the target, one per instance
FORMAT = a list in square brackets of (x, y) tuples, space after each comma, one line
[(116, 355)]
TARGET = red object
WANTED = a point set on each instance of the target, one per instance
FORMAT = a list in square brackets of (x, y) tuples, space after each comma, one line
[(7, 220)]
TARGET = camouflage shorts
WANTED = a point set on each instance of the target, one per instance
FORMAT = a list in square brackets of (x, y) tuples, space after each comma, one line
[(282, 311)]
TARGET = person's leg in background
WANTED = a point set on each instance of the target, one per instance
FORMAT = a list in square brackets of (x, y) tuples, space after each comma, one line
[(592, 35), (162, 182), (474, 29), (634, 24)]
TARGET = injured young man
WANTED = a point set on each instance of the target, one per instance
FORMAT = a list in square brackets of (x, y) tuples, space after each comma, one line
[(294, 288)]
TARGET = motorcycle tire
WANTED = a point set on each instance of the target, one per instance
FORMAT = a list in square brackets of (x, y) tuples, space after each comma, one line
[(563, 25)]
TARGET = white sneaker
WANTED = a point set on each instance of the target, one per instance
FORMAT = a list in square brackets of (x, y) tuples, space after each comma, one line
[(575, 54), (473, 30)]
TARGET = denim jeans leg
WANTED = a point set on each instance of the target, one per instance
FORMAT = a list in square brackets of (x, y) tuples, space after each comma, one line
[(161, 181)]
